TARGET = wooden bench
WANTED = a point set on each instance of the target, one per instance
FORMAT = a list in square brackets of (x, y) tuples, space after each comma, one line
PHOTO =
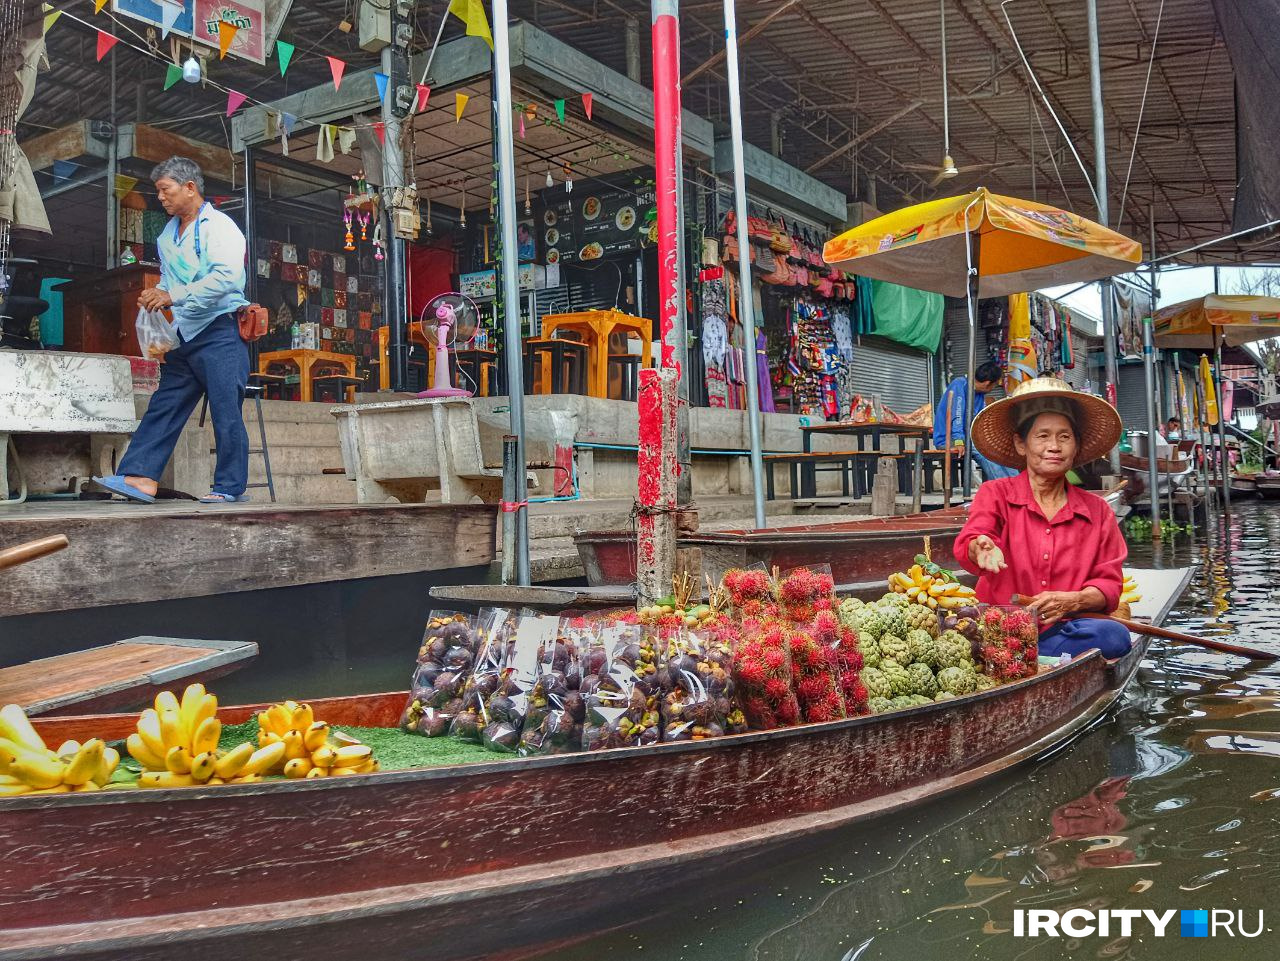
[(120, 675), (855, 465), (936, 458)]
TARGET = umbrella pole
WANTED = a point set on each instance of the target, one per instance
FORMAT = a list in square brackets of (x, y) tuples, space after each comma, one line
[(1205, 489), (1153, 465), (971, 304), (746, 312), (1222, 428)]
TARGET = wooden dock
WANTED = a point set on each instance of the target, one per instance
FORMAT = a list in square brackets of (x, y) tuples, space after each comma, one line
[(124, 553)]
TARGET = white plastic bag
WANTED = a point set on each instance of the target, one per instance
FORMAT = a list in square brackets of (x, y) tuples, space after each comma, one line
[(156, 336)]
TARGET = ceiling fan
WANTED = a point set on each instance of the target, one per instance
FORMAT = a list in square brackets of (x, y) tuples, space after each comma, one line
[(948, 169)]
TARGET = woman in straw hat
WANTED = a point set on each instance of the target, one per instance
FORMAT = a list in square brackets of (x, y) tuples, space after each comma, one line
[(1035, 534)]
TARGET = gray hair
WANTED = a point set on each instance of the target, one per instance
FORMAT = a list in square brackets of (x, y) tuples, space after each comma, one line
[(179, 170)]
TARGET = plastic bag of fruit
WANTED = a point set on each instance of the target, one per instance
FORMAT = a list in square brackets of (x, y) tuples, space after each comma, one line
[(749, 591), (621, 704), (497, 636), (553, 722), (1008, 642), (804, 591), (762, 673), (445, 659), (504, 713), (698, 692)]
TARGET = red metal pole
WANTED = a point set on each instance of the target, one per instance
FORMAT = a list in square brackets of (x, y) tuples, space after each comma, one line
[(658, 457)]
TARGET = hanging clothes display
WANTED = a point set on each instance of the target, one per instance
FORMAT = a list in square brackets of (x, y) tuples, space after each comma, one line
[(715, 342)]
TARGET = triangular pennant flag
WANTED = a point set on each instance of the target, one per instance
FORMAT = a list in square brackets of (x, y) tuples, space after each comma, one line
[(169, 13), (62, 170), (531, 111), (105, 42), (586, 104), (336, 68), (471, 12), (381, 80), (172, 74), (287, 120), (124, 185), (284, 53), (423, 93), (51, 18), (459, 105), (560, 110), (234, 99), (380, 129), (324, 143), (98, 5), (226, 33)]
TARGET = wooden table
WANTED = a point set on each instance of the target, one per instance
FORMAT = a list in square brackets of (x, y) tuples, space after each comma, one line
[(595, 326), (415, 336), (306, 361), (100, 312), (875, 430)]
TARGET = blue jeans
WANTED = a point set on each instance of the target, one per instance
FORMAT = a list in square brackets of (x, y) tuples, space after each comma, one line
[(1079, 635), (990, 469), (214, 362)]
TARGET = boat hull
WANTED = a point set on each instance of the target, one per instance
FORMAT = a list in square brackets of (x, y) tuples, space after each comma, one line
[(491, 859), (859, 552)]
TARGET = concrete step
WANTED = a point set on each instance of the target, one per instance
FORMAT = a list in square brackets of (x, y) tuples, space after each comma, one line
[(563, 519), (300, 489), (294, 459), (284, 433)]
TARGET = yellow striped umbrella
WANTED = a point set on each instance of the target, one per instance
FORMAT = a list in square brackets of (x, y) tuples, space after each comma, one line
[(1200, 323)]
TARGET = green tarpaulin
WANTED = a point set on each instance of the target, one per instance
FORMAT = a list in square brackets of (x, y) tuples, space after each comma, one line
[(909, 316)]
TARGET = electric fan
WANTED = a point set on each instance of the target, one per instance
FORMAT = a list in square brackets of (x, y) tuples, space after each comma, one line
[(450, 321)]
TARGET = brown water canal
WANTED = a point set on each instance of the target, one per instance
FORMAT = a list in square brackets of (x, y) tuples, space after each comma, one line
[(1171, 803)]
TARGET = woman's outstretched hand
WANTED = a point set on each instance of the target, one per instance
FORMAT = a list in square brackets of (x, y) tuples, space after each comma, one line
[(984, 552)]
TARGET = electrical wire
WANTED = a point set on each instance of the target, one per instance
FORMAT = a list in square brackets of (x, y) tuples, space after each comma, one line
[(1142, 107), (1031, 74)]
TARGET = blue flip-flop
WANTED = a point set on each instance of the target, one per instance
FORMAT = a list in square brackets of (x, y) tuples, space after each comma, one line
[(117, 485), (216, 497)]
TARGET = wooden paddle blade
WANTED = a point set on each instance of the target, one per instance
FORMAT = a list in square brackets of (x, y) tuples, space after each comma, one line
[(13, 556), (1151, 630)]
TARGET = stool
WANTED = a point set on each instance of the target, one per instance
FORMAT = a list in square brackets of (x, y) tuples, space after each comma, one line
[(339, 383), (256, 391), (628, 369), (568, 361), (267, 382)]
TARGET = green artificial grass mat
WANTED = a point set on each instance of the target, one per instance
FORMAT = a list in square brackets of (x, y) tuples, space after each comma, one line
[(394, 749)]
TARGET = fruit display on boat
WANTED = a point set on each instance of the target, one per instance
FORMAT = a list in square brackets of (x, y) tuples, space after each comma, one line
[(1008, 642), (697, 690), (311, 749), (762, 670), (28, 766), (928, 585), (446, 657), (621, 704), (1129, 594)]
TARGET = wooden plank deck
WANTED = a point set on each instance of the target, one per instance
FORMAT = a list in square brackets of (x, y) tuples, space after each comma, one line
[(118, 675), (130, 553)]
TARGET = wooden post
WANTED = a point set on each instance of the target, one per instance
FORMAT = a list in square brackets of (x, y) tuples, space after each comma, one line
[(657, 468), (884, 489)]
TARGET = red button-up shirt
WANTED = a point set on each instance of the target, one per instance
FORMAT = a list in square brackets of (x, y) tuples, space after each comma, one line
[(1080, 547)]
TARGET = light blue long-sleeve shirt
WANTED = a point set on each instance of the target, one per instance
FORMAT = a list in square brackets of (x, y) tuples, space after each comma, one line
[(959, 391), (204, 283)]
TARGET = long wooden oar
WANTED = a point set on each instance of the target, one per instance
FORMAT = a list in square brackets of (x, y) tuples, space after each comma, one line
[(13, 556), (1139, 627), (1151, 630)]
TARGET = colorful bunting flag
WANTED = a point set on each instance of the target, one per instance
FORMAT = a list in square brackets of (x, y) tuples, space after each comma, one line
[(471, 12), (234, 99), (284, 53), (50, 18), (531, 111), (380, 129), (423, 93), (287, 120), (62, 170), (521, 126), (459, 105), (172, 74), (169, 13), (336, 68), (586, 104), (98, 5), (105, 42), (226, 33), (560, 110), (381, 80), (124, 185)]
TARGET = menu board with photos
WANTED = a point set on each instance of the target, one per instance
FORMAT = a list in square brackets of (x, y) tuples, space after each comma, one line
[(590, 223)]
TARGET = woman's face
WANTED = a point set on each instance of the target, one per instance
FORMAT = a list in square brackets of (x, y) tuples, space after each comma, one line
[(1050, 447)]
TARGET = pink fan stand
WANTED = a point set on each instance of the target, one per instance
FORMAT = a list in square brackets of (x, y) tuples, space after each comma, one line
[(440, 385)]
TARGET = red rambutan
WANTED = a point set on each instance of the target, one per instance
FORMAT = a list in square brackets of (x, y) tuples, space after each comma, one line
[(751, 672), (777, 690), (775, 660)]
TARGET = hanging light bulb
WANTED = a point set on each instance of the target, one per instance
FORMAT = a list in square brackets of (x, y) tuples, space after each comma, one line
[(550, 182), (528, 209), (568, 178), (462, 206), (191, 70), (428, 216)]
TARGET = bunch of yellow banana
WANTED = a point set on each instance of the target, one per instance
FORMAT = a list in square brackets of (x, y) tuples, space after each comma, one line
[(27, 766), (1129, 590), (308, 749), (177, 744), (933, 592)]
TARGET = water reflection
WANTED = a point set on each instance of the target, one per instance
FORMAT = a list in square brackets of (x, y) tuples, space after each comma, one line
[(1169, 804)]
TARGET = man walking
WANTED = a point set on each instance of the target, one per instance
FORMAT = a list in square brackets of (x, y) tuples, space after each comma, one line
[(202, 277), (986, 377)]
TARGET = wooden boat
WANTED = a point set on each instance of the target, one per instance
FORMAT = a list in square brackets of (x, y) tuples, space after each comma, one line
[(1268, 486), (1168, 471), (1244, 486), (858, 550), (497, 859)]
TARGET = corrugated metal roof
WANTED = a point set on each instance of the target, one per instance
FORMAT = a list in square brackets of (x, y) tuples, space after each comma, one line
[(822, 72)]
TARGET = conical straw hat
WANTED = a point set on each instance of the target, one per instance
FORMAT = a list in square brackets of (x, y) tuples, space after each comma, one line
[(1097, 424)]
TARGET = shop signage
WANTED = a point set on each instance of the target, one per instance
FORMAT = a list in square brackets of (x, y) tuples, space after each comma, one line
[(149, 11), (248, 16), (484, 283), (591, 223)]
